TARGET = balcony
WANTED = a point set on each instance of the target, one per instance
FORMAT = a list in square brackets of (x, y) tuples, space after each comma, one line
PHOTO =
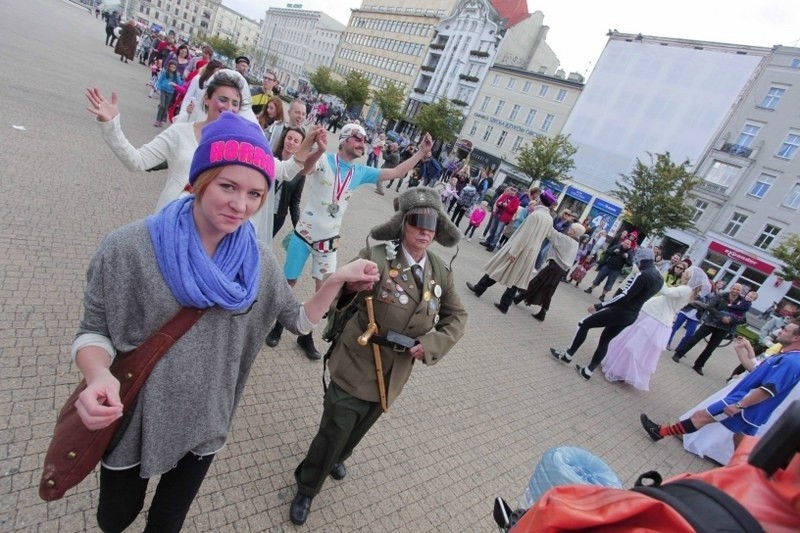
[(737, 150), (437, 47), (467, 78), (426, 68), (714, 188)]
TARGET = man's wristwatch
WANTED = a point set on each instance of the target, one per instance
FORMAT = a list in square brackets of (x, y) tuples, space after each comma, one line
[(739, 406)]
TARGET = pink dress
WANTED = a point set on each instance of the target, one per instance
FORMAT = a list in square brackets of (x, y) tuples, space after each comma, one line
[(633, 354)]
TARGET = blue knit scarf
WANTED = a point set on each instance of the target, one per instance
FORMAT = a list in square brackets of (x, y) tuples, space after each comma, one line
[(230, 279)]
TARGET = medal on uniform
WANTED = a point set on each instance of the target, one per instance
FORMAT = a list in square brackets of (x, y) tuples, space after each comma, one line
[(426, 295), (339, 187), (405, 277), (393, 273), (403, 299), (437, 291), (400, 288), (436, 319)]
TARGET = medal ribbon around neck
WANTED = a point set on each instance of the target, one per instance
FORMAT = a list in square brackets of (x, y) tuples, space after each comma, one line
[(339, 185)]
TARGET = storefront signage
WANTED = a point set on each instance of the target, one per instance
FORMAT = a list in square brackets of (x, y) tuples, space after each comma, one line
[(506, 124), (606, 207), (741, 257), (482, 159), (552, 185), (578, 194)]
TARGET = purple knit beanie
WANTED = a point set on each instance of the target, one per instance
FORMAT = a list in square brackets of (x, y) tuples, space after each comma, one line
[(233, 140)]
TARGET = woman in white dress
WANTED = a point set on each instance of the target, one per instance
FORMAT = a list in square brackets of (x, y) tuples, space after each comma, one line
[(633, 355), (176, 145)]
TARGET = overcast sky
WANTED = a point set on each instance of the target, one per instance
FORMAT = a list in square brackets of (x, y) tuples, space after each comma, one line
[(578, 30)]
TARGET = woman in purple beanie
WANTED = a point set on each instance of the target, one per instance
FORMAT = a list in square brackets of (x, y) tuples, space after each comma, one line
[(198, 251)]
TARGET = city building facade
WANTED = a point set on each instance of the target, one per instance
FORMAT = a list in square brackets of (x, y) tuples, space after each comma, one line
[(387, 41), (730, 110), (232, 25), (295, 42), (187, 18), (749, 197)]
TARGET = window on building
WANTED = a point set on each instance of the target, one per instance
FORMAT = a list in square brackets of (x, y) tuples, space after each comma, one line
[(700, 207), (792, 200), (772, 97), (502, 139), (561, 95), (548, 122), (543, 91), (747, 135), (795, 63), (526, 87), (789, 147), (495, 80), (474, 128), (499, 109), (514, 112), (735, 224), (487, 133), (722, 174), (517, 143), (511, 83), (485, 103), (529, 117), (767, 237), (761, 186)]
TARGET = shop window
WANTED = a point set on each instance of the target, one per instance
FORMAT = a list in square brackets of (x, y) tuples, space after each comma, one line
[(753, 279), (767, 237)]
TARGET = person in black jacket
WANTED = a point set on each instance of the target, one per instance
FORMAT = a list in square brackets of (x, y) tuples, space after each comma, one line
[(616, 314), (721, 314), (615, 259)]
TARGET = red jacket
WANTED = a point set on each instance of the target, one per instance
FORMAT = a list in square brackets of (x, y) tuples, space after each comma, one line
[(506, 207)]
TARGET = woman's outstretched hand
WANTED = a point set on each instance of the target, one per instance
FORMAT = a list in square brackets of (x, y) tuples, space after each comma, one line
[(100, 107)]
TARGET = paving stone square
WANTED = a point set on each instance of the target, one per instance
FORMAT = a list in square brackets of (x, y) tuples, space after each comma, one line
[(464, 431)]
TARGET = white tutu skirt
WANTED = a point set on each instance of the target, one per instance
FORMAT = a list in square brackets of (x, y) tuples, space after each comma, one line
[(633, 354)]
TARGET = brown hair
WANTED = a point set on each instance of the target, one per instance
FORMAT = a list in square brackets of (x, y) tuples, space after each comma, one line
[(264, 119)]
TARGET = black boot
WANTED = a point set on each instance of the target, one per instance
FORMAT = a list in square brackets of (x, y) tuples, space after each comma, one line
[(506, 299), (306, 342), (274, 336), (540, 315), (479, 288)]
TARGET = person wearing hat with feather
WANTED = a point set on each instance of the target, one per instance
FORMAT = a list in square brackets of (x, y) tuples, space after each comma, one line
[(416, 299)]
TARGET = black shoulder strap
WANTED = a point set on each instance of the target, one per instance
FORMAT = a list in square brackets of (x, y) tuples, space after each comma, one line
[(705, 507)]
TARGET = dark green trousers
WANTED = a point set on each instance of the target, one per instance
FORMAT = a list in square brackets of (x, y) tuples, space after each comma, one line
[(345, 421)]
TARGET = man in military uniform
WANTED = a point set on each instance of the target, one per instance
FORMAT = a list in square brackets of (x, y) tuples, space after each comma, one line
[(420, 318)]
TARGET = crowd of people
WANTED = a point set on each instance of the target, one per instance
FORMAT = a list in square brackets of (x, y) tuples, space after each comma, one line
[(239, 163)]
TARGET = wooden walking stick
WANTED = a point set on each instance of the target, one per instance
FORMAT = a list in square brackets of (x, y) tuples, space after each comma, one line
[(363, 339)]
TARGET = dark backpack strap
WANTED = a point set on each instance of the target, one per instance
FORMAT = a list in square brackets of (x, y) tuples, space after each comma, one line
[(705, 507)]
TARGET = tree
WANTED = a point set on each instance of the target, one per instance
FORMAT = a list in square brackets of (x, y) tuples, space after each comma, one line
[(547, 158), (788, 252), (390, 101), (441, 119), (655, 196), (322, 81), (224, 46), (355, 89)]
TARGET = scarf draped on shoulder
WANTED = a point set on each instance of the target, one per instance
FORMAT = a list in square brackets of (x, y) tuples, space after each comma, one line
[(230, 279)]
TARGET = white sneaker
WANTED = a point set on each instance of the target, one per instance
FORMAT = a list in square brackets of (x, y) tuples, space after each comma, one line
[(561, 355), (469, 239)]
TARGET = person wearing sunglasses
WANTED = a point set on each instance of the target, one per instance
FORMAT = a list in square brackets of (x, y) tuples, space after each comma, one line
[(330, 185), (420, 317)]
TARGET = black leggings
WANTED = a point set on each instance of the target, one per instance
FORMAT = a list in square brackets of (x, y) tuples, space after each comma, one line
[(613, 320), (122, 495)]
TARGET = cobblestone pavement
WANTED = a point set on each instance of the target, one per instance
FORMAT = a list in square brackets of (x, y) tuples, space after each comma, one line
[(463, 432)]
